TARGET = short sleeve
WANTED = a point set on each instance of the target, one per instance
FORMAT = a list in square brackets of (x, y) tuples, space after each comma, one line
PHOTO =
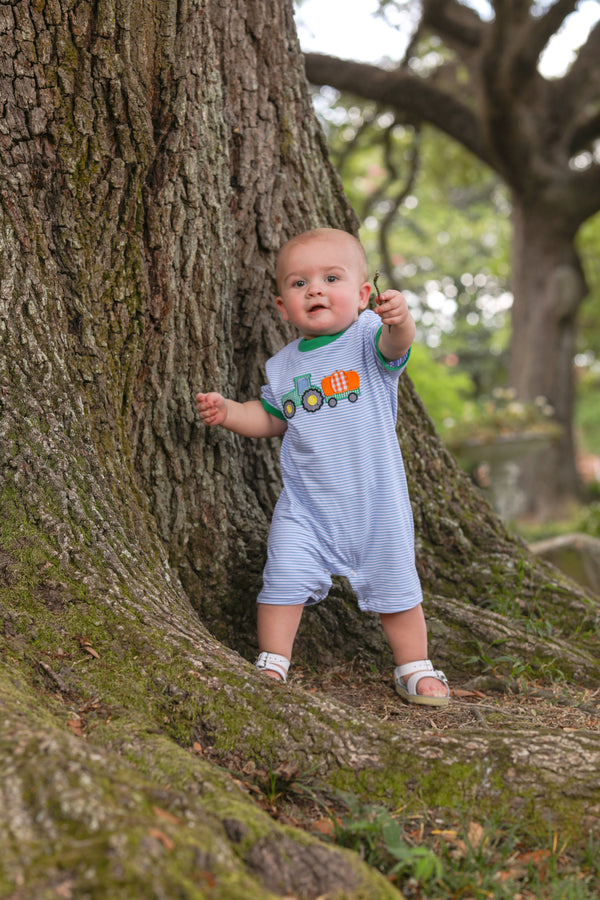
[(269, 402)]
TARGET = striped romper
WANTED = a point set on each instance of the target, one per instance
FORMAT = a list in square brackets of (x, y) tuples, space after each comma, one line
[(344, 508)]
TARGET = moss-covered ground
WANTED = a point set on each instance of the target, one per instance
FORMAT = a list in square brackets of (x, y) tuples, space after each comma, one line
[(129, 769)]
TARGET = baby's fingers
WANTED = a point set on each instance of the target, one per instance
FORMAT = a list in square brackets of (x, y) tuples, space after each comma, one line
[(210, 408), (209, 416)]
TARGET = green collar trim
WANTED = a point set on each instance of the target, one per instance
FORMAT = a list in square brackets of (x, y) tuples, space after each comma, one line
[(307, 344)]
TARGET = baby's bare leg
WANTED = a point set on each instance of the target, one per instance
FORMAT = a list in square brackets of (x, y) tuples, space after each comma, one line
[(406, 632), (277, 627)]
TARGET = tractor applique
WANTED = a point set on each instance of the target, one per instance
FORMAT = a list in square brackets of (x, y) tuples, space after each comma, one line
[(337, 386)]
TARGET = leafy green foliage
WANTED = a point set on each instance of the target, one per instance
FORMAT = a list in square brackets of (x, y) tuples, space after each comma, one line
[(501, 416), (587, 415), (436, 223), (443, 388), (588, 245), (589, 521), (378, 837)]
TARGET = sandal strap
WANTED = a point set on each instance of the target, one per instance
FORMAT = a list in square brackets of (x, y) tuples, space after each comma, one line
[(419, 666), (424, 670), (274, 662), (412, 682)]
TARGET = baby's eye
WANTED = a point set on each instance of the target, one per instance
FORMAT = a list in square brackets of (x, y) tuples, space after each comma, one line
[(298, 283), (331, 278)]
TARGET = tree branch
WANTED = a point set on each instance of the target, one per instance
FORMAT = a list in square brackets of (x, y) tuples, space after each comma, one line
[(573, 98), (583, 75), (403, 92), (586, 187), (459, 26), (585, 133), (349, 146), (533, 37), (395, 190), (541, 28)]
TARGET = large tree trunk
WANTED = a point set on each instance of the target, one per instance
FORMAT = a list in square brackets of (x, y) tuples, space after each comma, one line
[(152, 157), (213, 492), (548, 287)]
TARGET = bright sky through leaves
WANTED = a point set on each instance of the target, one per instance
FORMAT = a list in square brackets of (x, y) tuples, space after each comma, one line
[(352, 32)]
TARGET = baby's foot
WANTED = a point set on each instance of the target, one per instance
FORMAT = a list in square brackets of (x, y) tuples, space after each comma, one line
[(274, 675), (273, 664), (418, 682), (431, 687)]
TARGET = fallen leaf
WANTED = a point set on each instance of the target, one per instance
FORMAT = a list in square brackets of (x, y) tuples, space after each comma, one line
[(89, 649), (459, 850), (162, 837), (75, 726), (164, 814), (535, 857), (197, 748), (324, 826), (64, 890), (519, 863), (503, 875), (208, 877), (415, 834), (475, 833)]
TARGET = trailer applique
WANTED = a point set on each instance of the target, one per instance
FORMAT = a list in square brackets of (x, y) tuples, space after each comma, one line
[(339, 385)]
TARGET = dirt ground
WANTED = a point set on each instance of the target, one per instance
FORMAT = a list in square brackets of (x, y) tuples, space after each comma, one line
[(484, 702)]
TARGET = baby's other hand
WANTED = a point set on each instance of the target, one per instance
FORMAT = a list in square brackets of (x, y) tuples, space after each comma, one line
[(212, 408)]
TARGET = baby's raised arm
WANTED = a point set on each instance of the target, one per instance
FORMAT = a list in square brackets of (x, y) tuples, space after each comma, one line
[(249, 419), (395, 340)]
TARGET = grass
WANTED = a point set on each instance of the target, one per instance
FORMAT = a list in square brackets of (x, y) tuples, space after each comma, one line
[(453, 849), (425, 857), (580, 517)]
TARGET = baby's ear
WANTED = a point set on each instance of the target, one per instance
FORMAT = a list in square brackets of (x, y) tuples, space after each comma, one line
[(364, 295), (282, 310)]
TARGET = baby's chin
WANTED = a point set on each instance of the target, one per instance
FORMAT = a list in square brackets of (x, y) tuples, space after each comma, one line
[(315, 328)]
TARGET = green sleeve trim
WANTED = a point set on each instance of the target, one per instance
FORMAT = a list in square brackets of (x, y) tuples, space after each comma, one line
[(272, 410), (390, 365)]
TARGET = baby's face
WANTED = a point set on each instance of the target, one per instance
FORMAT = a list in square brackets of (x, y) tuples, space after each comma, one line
[(322, 284)]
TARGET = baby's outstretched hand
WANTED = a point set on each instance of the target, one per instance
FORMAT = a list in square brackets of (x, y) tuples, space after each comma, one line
[(392, 308), (212, 408)]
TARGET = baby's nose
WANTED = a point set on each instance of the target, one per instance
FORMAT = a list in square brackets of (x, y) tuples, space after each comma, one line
[(314, 288)]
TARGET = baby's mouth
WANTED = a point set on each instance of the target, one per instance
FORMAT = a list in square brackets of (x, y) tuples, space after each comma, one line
[(316, 307)]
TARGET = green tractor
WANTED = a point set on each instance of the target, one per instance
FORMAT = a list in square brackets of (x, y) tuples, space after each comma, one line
[(305, 394)]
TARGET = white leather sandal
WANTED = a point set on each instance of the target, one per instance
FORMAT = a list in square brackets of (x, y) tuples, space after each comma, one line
[(422, 668), (274, 663)]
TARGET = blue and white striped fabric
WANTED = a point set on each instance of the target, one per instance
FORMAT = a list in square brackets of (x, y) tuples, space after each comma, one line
[(344, 508)]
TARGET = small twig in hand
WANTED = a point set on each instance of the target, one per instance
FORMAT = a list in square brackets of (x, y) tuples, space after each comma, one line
[(378, 291)]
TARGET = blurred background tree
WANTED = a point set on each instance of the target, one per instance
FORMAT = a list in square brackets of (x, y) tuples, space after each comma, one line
[(436, 220), (487, 219)]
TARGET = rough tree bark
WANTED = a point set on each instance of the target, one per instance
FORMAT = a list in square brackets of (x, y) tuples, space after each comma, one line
[(152, 158), (535, 134)]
